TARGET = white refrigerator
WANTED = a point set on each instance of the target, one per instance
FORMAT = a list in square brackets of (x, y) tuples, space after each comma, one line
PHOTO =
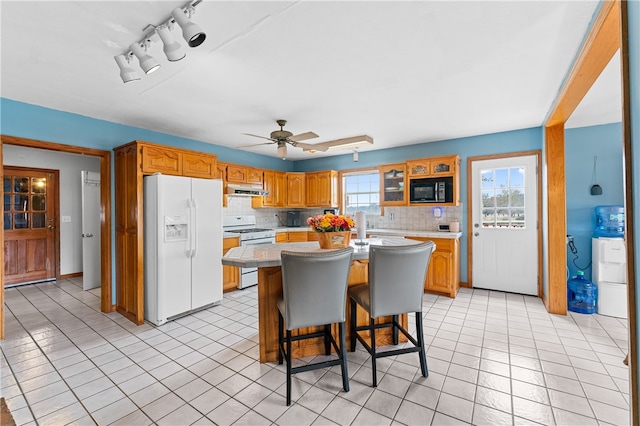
[(182, 246)]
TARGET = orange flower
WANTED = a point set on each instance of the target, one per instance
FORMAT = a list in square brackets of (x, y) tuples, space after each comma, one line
[(330, 223)]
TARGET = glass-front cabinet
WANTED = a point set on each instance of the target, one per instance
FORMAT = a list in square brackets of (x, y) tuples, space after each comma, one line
[(392, 184)]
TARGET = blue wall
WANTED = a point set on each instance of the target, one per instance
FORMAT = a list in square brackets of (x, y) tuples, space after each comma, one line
[(581, 145), (35, 122)]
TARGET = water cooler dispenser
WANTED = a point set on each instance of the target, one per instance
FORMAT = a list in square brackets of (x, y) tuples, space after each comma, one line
[(609, 261)]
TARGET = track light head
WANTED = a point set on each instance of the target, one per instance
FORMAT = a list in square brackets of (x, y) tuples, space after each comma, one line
[(127, 73), (192, 33), (147, 62), (172, 49)]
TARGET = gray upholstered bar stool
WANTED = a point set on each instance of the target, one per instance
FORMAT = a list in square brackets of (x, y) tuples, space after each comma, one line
[(396, 286), (314, 290)]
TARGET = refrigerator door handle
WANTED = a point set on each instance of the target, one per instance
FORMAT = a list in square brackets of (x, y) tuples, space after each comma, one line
[(194, 228)]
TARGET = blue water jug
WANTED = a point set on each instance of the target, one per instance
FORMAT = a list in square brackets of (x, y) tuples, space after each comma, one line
[(582, 295), (609, 222)]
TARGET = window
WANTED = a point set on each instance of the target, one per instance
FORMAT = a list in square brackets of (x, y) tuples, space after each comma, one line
[(503, 198), (361, 192)]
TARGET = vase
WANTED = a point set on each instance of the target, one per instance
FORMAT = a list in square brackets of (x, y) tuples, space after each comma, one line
[(334, 240)]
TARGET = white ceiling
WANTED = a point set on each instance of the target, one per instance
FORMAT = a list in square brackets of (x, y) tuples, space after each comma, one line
[(401, 72)]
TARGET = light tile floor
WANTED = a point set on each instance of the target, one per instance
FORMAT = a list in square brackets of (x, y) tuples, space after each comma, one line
[(494, 358)]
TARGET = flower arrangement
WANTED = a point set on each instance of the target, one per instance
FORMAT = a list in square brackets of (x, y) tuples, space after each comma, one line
[(330, 223)]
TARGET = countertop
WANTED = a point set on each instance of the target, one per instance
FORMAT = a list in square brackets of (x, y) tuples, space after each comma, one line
[(264, 255), (387, 232)]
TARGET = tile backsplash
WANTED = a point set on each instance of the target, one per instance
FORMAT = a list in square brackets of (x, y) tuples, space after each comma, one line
[(412, 218)]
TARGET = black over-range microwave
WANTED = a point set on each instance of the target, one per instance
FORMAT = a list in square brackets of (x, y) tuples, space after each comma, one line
[(431, 190)]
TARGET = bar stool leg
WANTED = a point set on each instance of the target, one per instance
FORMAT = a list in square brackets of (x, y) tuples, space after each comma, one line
[(420, 339), (352, 327), (372, 333), (327, 340), (280, 336), (288, 355), (343, 356), (394, 330)]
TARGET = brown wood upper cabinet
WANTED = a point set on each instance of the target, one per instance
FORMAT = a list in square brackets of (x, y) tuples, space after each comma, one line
[(432, 167), (393, 178), (174, 161), (275, 183), (296, 189), (243, 174), (322, 189)]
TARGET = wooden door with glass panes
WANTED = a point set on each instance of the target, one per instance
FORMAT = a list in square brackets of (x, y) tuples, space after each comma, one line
[(29, 225)]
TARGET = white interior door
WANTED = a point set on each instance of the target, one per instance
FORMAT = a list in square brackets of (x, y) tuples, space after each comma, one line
[(504, 228), (90, 230)]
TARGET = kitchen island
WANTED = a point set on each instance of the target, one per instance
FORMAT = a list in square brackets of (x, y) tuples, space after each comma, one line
[(266, 257)]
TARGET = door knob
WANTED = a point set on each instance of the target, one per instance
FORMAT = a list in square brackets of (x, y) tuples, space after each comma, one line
[(475, 234), (50, 227), (475, 225)]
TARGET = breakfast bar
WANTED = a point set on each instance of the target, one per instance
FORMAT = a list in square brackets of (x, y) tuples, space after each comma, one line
[(266, 257)]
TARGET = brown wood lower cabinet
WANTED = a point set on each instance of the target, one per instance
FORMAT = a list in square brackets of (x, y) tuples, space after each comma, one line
[(291, 237), (230, 274), (443, 276)]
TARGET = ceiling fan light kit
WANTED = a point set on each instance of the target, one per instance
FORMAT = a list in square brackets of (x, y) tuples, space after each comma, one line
[(192, 33)]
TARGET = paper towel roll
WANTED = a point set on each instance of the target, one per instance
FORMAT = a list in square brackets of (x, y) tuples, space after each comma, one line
[(361, 225)]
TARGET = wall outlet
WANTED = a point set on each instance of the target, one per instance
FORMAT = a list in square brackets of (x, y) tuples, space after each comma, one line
[(66, 218)]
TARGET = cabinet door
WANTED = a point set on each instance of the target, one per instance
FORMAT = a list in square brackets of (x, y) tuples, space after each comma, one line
[(296, 237), (295, 189), (312, 190), (161, 160), (313, 236), (236, 174), (392, 185), (269, 184), (230, 274), (198, 166), (328, 189), (445, 166), (281, 189), (254, 176), (281, 237), (418, 168), (439, 276)]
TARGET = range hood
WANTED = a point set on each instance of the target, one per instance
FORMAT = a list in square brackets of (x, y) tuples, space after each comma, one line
[(246, 191)]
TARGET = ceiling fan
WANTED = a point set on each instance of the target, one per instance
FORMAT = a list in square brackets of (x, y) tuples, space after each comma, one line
[(283, 137)]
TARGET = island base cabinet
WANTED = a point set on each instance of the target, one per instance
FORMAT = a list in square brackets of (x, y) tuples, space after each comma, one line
[(270, 290)]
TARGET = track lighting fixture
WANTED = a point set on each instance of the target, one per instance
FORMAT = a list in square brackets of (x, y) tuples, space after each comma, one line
[(127, 73), (172, 49), (147, 62), (355, 155), (191, 32)]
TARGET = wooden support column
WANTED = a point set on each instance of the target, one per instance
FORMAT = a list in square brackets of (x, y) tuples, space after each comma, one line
[(557, 220)]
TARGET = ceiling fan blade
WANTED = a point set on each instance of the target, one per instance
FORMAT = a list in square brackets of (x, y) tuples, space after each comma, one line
[(303, 136), (261, 137), (310, 147), (255, 144)]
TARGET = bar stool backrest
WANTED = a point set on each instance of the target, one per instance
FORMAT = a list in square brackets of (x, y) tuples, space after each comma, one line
[(396, 278), (314, 286)]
